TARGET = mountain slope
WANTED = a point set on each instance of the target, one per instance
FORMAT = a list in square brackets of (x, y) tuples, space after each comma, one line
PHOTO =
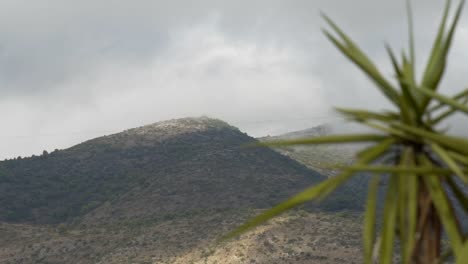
[(159, 170), (164, 193), (295, 237)]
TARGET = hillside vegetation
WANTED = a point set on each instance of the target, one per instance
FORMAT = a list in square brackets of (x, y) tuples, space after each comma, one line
[(162, 169), (164, 193), (297, 237)]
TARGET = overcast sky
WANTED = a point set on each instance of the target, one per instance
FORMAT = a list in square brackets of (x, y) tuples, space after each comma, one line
[(74, 70)]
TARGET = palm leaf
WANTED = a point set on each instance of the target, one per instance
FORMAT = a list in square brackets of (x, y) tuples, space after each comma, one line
[(412, 192), (310, 193), (399, 169), (352, 51), (437, 61), (443, 207), (393, 59), (444, 99), (402, 73), (459, 194), (411, 37), (388, 227), (369, 219), (408, 208), (461, 259), (402, 210), (442, 153), (360, 114), (459, 157), (326, 140), (454, 143), (446, 114), (392, 131), (461, 95), (432, 73)]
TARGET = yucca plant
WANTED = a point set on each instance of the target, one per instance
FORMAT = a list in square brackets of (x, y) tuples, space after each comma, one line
[(420, 162)]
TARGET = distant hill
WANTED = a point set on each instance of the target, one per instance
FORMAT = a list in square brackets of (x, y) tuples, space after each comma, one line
[(167, 168), (316, 157), (319, 130)]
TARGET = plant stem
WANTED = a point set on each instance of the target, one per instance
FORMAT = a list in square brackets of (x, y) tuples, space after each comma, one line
[(428, 246)]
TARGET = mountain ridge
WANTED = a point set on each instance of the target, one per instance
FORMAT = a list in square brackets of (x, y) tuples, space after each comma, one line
[(164, 193), (174, 165)]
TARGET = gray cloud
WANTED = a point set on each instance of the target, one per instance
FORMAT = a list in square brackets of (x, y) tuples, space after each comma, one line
[(72, 70)]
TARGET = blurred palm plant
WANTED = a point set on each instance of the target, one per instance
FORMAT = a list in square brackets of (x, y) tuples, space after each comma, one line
[(422, 162)]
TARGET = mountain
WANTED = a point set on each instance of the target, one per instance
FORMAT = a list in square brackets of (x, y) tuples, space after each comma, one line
[(164, 193), (320, 130), (158, 170)]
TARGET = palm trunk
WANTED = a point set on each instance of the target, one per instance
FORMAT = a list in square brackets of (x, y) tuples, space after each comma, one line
[(428, 246)]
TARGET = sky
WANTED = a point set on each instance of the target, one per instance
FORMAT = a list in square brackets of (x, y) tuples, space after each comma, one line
[(74, 70)]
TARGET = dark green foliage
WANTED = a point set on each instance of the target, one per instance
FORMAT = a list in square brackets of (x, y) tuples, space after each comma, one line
[(144, 174)]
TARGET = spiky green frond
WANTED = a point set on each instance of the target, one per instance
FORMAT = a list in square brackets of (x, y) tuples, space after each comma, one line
[(335, 139), (437, 61), (389, 224), (368, 234), (443, 206), (356, 55), (444, 99)]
